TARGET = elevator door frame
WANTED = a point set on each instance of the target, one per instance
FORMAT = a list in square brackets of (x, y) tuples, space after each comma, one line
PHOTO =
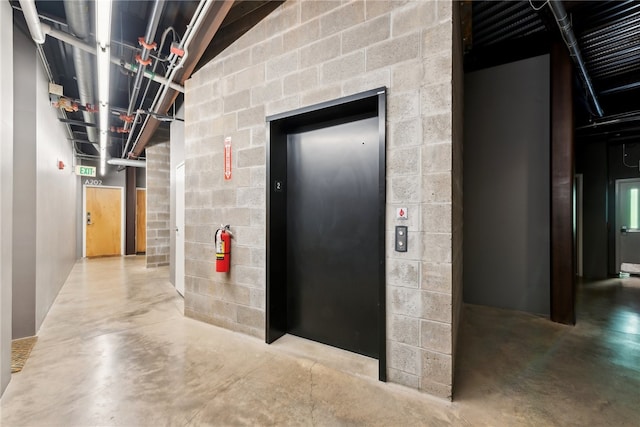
[(344, 110)]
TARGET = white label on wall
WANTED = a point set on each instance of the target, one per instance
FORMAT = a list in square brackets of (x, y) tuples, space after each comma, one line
[(402, 213)]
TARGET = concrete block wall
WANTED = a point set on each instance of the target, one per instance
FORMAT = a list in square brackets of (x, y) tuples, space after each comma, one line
[(304, 53), (158, 181)]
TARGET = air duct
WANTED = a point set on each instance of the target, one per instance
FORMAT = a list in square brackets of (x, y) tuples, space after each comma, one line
[(559, 12), (33, 21), (77, 12)]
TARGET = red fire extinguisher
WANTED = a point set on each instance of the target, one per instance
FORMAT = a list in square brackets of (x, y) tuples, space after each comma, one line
[(223, 249)]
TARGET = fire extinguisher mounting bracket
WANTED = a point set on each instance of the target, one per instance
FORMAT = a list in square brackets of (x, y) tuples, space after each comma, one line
[(226, 228)]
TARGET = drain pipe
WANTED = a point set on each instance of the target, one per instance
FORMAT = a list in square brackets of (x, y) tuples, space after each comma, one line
[(559, 12)]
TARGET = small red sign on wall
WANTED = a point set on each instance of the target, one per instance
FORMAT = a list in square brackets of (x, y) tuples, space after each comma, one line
[(227, 158)]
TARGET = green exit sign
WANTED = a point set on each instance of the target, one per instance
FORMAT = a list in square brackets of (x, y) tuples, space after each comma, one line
[(85, 170)]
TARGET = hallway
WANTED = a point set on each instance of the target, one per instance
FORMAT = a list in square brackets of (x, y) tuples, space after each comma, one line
[(116, 350)]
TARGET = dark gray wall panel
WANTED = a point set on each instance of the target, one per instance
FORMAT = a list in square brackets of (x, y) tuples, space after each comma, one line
[(24, 187), (506, 186), (594, 158)]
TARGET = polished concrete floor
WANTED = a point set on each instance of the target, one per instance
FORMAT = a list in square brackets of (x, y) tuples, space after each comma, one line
[(116, 350)]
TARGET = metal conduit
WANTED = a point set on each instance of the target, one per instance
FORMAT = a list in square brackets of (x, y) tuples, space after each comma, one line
[(559, 12)]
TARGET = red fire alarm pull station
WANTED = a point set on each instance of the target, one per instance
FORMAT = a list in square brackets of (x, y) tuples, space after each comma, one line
[(227, 158)]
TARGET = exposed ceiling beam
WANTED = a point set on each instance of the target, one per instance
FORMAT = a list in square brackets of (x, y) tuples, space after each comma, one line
[(201, 40), (244, 16)]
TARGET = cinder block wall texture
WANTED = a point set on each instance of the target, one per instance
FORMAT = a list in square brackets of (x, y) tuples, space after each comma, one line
[(158, 205), (307, 52)]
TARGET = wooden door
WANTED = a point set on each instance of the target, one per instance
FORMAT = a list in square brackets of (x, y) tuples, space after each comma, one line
[(141, 220), (103, 221)]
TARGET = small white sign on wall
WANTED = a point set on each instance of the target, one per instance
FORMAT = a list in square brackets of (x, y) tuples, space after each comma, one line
[(402, 213)]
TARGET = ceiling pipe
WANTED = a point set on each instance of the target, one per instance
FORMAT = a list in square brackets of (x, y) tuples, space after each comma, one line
[(205, 26), (149, 75), (184, 45), (33, 21), (80, 44), (127, 162), (77, 12), (195, 22), (569, 37), (38, 35), (150, 35)]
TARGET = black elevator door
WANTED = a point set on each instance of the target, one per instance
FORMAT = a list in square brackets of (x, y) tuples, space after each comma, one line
[(333, 235)]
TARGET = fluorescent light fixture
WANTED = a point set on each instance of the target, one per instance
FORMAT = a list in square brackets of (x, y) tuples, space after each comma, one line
[(103, 54), (103, 115), (104, 67), (103, 22), (103, 158), (103, 141)]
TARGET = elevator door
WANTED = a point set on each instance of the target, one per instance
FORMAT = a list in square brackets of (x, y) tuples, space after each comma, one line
[(333, 235)]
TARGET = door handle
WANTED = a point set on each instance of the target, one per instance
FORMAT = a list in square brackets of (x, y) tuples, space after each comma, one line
[(625, 230), (89, 218)]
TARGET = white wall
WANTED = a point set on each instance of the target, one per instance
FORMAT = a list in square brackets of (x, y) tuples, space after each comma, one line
[(176, 155), (45, 203), (56, 202), (6, 188)]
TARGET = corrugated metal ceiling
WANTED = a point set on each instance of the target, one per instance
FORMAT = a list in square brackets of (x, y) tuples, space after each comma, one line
[(608, 34)]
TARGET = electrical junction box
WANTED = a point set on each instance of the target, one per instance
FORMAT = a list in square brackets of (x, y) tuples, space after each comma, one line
[(55, 89)]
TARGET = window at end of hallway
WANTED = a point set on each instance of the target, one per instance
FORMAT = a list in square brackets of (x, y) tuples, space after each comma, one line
[(633, 211)]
